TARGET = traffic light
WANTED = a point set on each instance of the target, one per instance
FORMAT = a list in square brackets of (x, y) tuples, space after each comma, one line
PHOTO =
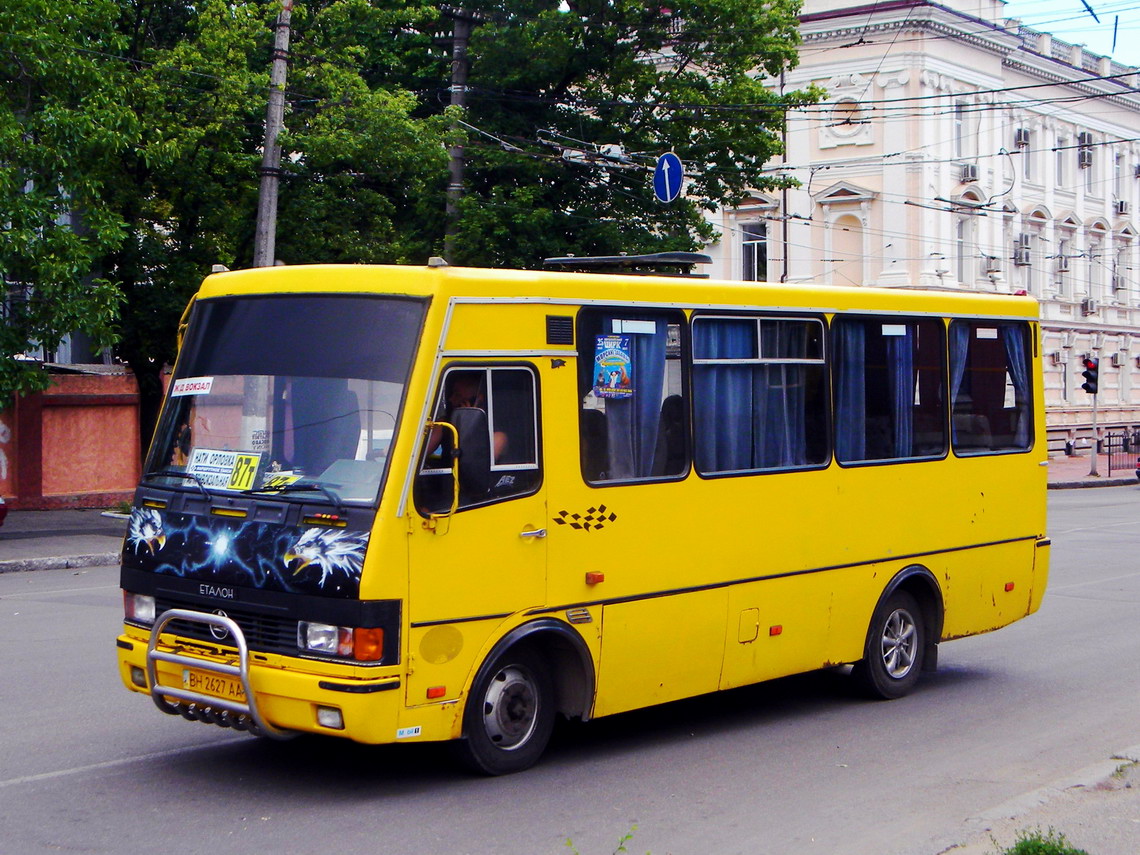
[(1092, 369)]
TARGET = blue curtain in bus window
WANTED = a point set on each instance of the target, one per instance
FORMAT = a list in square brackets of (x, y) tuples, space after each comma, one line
[(1013, 336), (632, 423), (959, 346), (748, 416), (900, 382), (850, 392), (723, 415)]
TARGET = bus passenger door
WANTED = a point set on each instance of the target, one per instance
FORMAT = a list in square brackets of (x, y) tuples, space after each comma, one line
[(470, 569)]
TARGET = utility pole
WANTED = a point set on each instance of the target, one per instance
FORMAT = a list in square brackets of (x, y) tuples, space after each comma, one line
[(265, 237), (462, 24)]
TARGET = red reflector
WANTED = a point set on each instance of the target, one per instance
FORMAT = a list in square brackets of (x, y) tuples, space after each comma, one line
[(775, 630), (437, 691), (1008, 586), (368, 644), (593, 577)]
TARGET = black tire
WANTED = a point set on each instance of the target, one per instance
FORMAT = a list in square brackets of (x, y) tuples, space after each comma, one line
[(509, 715), (896, 644)]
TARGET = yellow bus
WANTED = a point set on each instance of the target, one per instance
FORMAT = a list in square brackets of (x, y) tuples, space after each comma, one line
[(398, 503)]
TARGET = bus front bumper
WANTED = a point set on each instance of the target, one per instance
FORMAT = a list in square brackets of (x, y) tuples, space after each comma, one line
[(287, 696)]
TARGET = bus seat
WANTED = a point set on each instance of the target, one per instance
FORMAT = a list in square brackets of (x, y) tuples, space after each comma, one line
[(595, 445), (474, 453), (327, 424), (669, 456), (972, 431)]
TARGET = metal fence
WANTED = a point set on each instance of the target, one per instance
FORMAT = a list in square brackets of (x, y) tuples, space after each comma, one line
[(1123, 451)]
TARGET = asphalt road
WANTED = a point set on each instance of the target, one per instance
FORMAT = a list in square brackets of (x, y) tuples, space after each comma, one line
[(793, 766)]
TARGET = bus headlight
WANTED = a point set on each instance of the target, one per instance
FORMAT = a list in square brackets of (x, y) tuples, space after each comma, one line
[(138, 607), (364, 645)]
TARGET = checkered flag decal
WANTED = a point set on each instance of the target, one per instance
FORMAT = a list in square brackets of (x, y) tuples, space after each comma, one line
[(594, 519)]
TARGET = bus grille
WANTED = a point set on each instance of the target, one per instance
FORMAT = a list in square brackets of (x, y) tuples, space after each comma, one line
[(263, 633)]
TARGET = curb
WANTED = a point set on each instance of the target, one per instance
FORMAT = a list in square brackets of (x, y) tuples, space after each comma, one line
[(62, 562), (1083, 779), (1092, 482)]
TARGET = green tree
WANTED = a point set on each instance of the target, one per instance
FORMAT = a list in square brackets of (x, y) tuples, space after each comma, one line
[(686, 78), (62, 125), (357, 174)]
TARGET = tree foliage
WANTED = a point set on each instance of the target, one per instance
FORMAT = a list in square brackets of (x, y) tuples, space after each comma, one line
[(62, 125), (686, 78), (131, 134)]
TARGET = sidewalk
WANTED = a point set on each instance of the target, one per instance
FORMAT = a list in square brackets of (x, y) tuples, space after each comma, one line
[(1067, 472), (48, 540)]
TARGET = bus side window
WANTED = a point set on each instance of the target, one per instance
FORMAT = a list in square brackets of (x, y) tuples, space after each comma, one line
[(633, 417), (890, 388), (494, 411), (759, 393), (990, 386)]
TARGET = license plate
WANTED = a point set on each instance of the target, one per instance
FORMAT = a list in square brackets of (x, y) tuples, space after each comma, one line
[(219, 686)]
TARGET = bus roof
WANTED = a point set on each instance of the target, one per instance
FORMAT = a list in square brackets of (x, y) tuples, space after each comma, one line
[(475, 284)]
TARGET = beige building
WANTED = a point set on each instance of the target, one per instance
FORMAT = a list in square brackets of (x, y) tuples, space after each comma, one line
[(957, 149)]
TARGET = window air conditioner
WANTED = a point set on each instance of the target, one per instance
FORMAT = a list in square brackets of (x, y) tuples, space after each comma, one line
[(1021, 137), (1088, 307), (1021, 251), (1084, 158), (1058, 357), (1063, 263), (991, 264), (1117, 359), (1120, 206), (969, 173), (1084, 139)]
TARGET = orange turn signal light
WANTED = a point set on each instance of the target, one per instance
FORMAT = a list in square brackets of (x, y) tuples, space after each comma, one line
[(368, 644), (778, 629), (1008, 587), (593, 577), (436, 692)]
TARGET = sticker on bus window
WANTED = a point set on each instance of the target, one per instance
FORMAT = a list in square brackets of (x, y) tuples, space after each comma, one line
[(224, 470), (613, 367), (894, 329), (987, 332), (191, 386)]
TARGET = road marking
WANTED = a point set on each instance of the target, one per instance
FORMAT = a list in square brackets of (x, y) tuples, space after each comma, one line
[(107, 764)]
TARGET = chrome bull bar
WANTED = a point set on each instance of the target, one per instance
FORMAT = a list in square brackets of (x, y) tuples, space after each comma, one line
[(198, 706)]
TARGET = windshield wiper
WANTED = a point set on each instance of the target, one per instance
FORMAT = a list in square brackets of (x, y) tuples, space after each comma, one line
[(175, 473), (297, 487)]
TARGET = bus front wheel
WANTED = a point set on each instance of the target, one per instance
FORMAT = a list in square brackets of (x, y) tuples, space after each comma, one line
[(896, 641), (509, 716)]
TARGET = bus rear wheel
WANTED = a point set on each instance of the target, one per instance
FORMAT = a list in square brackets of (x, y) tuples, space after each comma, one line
[(896, 642), (509, 716)]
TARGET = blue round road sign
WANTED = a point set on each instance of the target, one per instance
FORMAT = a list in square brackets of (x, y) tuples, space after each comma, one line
[(668, 177)]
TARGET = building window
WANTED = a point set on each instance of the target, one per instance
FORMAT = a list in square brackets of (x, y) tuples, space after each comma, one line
[(755, 245), (960, 129), (1027, 159), (1064, 252), (1059, 158)]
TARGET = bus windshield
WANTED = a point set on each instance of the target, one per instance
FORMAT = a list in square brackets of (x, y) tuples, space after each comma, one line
[(290, 395)]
